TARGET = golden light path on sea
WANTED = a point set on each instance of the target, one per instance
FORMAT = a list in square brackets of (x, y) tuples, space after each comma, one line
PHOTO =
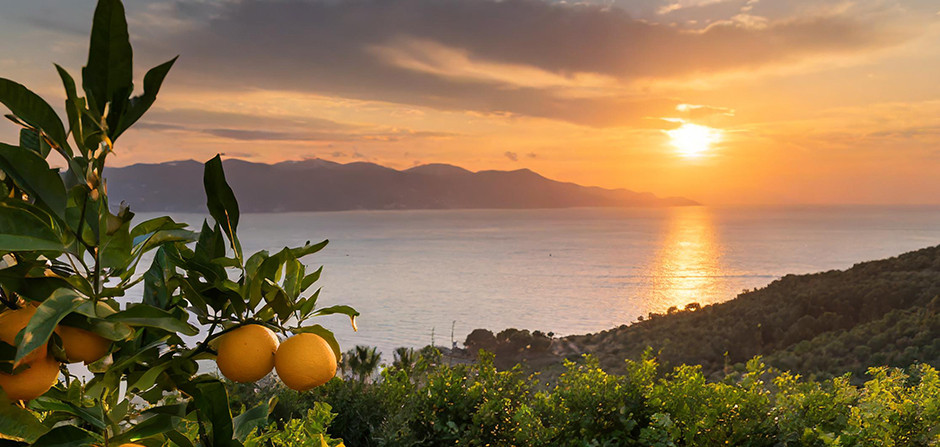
[(688, 264)]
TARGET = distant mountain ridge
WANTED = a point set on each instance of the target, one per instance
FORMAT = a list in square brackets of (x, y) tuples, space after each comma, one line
[(322, 185)]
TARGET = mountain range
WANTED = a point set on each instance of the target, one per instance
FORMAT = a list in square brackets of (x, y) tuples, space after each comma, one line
[(321, 185)]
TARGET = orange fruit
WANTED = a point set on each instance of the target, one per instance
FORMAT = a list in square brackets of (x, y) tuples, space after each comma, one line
[(32, 382), (305, 361), (246, 354), (11, 323), (81, 345)]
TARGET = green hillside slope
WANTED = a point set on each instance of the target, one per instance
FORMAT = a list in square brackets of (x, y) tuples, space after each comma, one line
[(884, 312)]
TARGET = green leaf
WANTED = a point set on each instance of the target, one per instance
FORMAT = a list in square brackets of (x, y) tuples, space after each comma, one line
[(266, 313), (310, 279), (190, 293), (65, 436), (345, 310), (139, 105), (115, 371), (92, 309), (220, 199), (309, 249), (211, 401), (95, 314), (152, 426), (36, 288), (293, 277), (148, 316), (253, 262), (89, 415), (31, 172), (18, 424), (29, 139), (246, 422), (23, 227), (156, 290), (111, 330), (73, 108), (48, 315), (115, 248), (177, 409), (149, 378), (179, 439), (118, 412), (265, 275), (158, 238), (144, 229), (81, 215), (108, 74), (326, 334), (278, 300), (33, 110), (211, 244), (308, 304)]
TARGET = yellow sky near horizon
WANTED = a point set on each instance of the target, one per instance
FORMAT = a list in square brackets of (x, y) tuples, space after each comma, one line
[(816, 102)]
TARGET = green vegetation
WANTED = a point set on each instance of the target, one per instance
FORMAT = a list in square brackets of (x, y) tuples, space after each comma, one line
[(878, 313), (478, 405), (67, 259)]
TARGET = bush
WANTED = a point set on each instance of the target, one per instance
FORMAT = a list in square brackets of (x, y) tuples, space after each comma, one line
[(477, 405), (309, 431), (464, 405), (590, 407)]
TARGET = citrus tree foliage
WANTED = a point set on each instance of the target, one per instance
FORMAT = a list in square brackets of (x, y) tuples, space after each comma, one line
[(73, 255)]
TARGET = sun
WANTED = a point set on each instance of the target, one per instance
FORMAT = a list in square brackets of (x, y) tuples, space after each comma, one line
[(693, 140)]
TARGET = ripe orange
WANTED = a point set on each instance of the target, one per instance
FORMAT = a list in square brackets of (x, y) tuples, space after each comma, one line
[(31, 383), (12, 322), (305, 361), (81, 345), (247, 354)]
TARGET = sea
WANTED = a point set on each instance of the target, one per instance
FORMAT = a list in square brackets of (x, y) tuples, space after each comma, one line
[(433, 276)]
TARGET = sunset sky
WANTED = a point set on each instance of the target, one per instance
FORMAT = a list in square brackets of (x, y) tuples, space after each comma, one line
[(802, 101)]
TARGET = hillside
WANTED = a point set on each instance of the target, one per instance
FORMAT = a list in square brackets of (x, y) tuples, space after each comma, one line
[(884, 312), (320, 185)]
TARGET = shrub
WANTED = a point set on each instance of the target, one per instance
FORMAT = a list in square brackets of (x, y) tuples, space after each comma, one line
[(587, 406)]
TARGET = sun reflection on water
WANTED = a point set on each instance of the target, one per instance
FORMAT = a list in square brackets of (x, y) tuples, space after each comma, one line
[(688, 267)]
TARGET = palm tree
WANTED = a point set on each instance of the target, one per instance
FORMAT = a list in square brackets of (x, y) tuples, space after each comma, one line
[(362, 362), (405, 359)]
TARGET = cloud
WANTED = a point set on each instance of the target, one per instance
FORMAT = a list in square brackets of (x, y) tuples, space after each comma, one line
[(265, 135), (429, 57), (568, 61), (159, 127), (698, 111), (251, 127), (532, 155), (215, 118), (511, 155), (683, 4)]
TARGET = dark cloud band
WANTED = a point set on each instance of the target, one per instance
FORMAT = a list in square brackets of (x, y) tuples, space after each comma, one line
[(329, 47)]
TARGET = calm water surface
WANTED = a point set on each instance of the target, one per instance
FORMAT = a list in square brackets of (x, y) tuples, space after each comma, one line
[(418, 274)]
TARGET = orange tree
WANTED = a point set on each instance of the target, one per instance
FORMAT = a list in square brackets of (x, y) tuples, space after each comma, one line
[(69, 258)]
